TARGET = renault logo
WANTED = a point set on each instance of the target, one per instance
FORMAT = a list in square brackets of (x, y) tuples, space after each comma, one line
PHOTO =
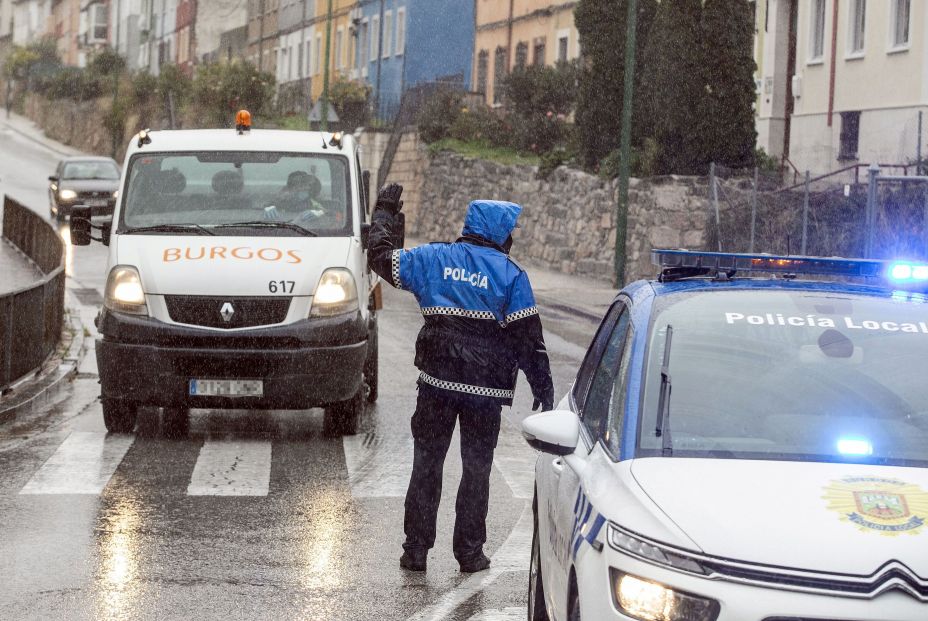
[(227, 311)]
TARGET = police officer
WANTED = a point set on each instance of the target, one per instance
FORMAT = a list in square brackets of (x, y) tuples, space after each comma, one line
[(481, 327)]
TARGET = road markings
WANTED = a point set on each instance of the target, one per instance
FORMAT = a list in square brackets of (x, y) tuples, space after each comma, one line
[(83, 464), (512, 556), (500, 614), (378, 466), (232, 468)]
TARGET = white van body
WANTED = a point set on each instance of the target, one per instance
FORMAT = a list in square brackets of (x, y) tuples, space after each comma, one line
[(232, 313)]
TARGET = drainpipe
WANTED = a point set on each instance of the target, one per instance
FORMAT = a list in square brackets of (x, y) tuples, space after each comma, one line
[(261, 36), (508, 38), (834, 53), (379, 58)]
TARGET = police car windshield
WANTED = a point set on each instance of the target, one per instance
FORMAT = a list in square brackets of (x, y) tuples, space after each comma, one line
[(792, 375), (218, 189)]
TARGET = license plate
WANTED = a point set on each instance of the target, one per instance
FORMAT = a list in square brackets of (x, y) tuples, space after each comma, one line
[(97, 202), (226, 388)]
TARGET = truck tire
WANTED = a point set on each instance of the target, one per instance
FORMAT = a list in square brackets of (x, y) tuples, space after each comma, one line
[(344, 418), (119, 415), (372, 366), (175, 422)]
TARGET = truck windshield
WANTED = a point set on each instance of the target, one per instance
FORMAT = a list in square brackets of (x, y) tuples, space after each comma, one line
[(791, 375), (239, 193)]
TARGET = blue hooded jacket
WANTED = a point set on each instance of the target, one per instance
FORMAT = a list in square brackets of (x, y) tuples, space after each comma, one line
[(481, 321)]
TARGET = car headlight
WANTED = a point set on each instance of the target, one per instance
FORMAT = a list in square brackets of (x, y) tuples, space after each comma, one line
[(634, 546), (124, 291), (652, 601), (115, 193), (335, 294), (67, 195)]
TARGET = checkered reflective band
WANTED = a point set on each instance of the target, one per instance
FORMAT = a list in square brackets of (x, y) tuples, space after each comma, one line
[(466, 388), (522, 314), (457, 312), (395, 269)]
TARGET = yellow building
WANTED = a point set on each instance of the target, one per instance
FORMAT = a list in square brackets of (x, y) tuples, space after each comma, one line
[(841, 82), (512, 33), (343, 44)]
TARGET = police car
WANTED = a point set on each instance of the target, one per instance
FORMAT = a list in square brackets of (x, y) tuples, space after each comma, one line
[(740, 448), (237, 277)]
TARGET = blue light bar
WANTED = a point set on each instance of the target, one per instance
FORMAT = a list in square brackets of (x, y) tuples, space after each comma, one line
[(905, 272), (684, 260)]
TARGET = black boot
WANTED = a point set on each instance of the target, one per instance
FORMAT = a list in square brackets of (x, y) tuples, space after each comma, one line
[(475, 564), (413, 561)]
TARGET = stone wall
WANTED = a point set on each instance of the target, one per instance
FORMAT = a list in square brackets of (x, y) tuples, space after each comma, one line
[(569, 220)]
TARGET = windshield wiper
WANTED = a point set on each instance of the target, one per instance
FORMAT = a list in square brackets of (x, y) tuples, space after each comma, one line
[(269, 224), (662, 430), (169, 228)]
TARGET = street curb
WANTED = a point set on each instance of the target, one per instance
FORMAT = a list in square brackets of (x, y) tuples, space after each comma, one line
[(57, 373)]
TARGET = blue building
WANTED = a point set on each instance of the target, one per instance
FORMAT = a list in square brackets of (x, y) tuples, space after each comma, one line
[(407, 43)]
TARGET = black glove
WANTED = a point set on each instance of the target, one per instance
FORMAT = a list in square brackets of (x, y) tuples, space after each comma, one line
[(547, 404), (388, 198)]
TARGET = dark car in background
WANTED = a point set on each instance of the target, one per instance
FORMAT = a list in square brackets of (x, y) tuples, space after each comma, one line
[(89, 181)]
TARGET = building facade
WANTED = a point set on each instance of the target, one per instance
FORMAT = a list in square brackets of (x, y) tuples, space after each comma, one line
[(841, 83), (30, 20), (512, 33), (401, 44)]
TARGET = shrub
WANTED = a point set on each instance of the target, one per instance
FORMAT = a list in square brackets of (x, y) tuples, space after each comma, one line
[(70, 83), (144, 88), (550, 162), (219, 90), (438, 115), (478, 124)]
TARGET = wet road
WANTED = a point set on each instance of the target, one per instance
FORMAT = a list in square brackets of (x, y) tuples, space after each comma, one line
[(255, 514)]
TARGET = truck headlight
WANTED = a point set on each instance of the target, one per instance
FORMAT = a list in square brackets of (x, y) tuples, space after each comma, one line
[(124, 291), (651, 601), (67, 195), (335, 294)]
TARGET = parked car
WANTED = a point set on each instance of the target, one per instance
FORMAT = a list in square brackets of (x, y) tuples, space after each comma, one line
[(89, 181), (741, 449)]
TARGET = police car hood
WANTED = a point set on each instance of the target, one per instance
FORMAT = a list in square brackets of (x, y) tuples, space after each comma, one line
[(492, 220), (244, 266), (825, 517)]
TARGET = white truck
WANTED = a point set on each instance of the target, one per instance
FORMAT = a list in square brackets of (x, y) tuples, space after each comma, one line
[(237, 278)]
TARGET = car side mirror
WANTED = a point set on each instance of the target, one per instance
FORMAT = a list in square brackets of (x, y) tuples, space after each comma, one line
[(555, 432), (80, 225), (365, 235), (106, 232), (53, 178), (366, 184)]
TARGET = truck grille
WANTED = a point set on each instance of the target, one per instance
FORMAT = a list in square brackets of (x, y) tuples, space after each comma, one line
[(245, 312)]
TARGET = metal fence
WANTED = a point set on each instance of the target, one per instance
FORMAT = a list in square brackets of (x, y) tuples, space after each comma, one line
[(31, 317), (858, 211)]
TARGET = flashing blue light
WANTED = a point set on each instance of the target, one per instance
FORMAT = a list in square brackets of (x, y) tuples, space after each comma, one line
[(908, 272), (856, 447)]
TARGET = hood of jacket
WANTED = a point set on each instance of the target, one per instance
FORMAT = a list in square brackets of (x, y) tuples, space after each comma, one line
[(492, 220)]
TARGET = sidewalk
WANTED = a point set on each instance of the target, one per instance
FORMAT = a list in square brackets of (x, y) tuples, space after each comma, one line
[(29, 130), (17, 271)]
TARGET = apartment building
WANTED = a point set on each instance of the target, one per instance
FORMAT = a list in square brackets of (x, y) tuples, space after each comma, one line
[(263, 34), (841, 82), (30, 20), (404, 43), (513, 33)]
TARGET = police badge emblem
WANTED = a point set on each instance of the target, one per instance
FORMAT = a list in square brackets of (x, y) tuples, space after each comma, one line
[(875, 504)]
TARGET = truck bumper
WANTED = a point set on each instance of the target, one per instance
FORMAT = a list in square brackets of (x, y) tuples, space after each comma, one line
[(308, 364)]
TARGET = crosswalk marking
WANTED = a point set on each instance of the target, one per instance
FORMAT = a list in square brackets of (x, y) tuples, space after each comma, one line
[(232, 468), (378, 466), (83, 464)]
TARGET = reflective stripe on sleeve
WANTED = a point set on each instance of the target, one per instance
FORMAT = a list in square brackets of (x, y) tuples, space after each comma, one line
[(395, 269), (522, 314), (466, 388)]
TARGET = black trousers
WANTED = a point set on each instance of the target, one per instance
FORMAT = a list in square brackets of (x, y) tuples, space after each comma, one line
[(432, 427)]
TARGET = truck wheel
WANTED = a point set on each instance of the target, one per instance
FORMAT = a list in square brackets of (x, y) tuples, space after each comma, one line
[(119, 415), (175, 422), (344, 418), (371, 367)]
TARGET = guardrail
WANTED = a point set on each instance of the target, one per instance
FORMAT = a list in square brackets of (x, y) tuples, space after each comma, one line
[(31, 317)]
